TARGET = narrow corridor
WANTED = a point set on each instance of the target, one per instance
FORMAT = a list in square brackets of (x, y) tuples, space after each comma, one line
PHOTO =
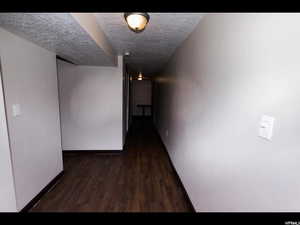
[(139, 179)]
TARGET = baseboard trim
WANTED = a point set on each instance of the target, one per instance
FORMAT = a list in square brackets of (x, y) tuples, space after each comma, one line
[(93, 151), (140, 116), (176, 174), (42, 192)]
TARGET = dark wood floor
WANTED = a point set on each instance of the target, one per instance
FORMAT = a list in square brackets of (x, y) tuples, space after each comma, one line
[(140, 179)]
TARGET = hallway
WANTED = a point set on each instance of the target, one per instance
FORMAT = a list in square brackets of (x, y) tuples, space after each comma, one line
[(222, 90), (139, 179)]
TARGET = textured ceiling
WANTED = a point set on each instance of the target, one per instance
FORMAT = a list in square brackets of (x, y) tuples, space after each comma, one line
[(62, 34), (150, 49), (57, 32)]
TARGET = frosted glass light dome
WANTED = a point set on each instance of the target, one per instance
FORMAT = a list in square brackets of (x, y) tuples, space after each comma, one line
[(137, 21)]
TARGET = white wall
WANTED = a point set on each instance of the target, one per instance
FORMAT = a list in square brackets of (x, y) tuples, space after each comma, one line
[(7, 189), (230, 71), (30, 79), (91, 106)]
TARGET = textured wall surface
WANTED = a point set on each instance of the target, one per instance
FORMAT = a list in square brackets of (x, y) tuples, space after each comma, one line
[(231, 70), (150, 49), (91, 106), (30, 80), (59, 33)]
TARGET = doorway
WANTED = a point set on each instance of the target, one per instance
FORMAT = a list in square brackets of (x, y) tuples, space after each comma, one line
[(141, 102)]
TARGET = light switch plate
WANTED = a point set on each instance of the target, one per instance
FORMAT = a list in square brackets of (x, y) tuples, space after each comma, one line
[(16, 109), (266, 127)]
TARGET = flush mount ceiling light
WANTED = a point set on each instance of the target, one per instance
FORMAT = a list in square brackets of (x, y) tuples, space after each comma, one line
[(137, 22)]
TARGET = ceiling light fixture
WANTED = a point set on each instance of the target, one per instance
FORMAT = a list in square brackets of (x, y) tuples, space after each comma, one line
[(140, 76), (137, 22)]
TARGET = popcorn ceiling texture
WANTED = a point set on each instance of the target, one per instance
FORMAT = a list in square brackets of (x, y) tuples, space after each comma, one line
[(150, 49), (59, 33)]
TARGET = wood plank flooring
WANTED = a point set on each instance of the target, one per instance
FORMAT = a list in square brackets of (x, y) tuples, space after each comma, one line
[(140, 179)]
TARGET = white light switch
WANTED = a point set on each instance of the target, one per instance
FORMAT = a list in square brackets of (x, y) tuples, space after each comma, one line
[(266, 127), (16, 109)]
